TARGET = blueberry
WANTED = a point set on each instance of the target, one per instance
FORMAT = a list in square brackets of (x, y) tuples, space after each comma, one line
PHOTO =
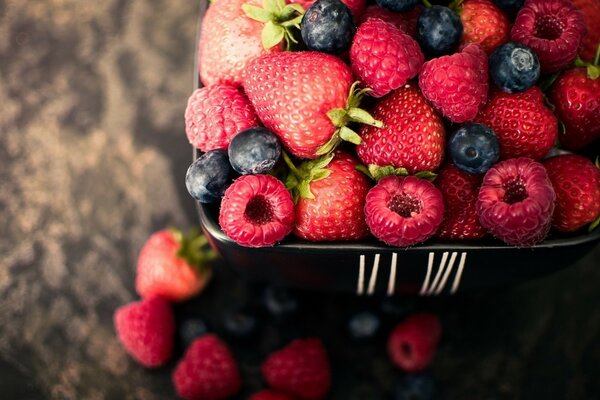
[(474, 148), (239, 323), (438, 31), (254, 151), (510, 6), (208, 176), (398, 5), (190, 329), (280, 302), (328, 27), (514, 67), (364, 325), (414, 387)]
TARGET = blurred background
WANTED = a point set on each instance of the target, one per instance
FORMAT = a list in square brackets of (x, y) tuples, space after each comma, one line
[(92, 161)]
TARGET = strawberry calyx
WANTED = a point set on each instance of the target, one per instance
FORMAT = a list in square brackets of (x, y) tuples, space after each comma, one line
[(377, 172), (281, 20), (299, 179), (341, 117), (194, 249), (593, 69)]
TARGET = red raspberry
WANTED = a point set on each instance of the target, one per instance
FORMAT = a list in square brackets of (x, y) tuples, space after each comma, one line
[(384, 57), (576, 182), (553, 29), (207, 371), (516, 201), (301, 369), (413, 342), (215, 114), (484, 24), (269, 395), (257, 211), (591, 16), (457, 85), (402, 211), (459, 190), (406, 21), (146, 329)]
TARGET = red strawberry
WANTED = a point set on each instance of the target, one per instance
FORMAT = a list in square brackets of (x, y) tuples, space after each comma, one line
[(330, 199), (173, 266), (459, 190), (269, 395), (207, 371), (403, 211), (356, 6), (516, 201), (384, 57), (301, 369), (484, 24), (525, 127), (457, 84), (413, 136), (256, 211), (576, 182), (302, 98), (576, 98), (553, 29), (215, 114), (591, 38), (145, 329), (406, 21), (413, 342)]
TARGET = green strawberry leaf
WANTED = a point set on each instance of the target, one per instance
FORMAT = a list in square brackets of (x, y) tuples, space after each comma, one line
[(377, 172), (349, 135), (194, 249), (427, 175), (337, 117), (272, 35), (299, 179), (593, 72), (257, 13), (361, 116)]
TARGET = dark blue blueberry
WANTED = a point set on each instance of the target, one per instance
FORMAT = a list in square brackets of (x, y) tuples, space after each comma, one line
[(280, 302), (415, 387), (239, 323), (398, 5), (254, 151), (328, 27), (474, 148), (514, 67), (209, 176), (190, 329), (364, 325), (511, 7), (438, 31)]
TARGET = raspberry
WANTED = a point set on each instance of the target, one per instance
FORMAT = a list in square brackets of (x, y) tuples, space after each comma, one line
[(269, 395), (413, 342), (402, 211), (301, 369), (146, 329), (257, 211), (516, 201), (207, 371), (406, 21), (553, 29)]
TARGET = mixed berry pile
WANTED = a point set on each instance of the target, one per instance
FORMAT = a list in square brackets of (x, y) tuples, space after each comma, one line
[(337, 120)]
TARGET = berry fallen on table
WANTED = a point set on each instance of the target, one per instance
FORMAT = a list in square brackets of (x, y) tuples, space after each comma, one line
[(514, 67), (300, 369), (398, 5), (403, 211), (576, 182), (591, 38), (364, 325), (281, 303), (207, 371), (413, 342), (146, 330), (190, 329), (173, 266), (457, 85), (328, 27), (516, 201), (254, 151), (474, 148), (553, 29), (209, 176), (484, 24), (239, 323), (269, 395), (439, 31), (384, 57), (414, 387)]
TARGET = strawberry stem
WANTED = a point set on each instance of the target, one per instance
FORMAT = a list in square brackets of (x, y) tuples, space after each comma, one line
[(426, 3), (597, 58), (194, 249), (282, 21)]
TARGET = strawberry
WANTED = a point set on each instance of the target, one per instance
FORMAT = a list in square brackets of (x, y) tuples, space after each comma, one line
[(525, 127), (413, 342), (146, 330), (457, 84), (301, 369), (330, 195), (207, 371), (173, 266), (576, 98), (413, 136), (356, 6), (484, 24), (459, 190), (405, 21), (576, 182), (591, 17), (302, 98)]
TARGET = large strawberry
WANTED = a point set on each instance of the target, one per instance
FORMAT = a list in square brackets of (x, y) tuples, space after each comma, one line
[(591, 17), (525, 127), (484, 24), (305, 98), (413, 135), (576, 98), (330, 196)]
